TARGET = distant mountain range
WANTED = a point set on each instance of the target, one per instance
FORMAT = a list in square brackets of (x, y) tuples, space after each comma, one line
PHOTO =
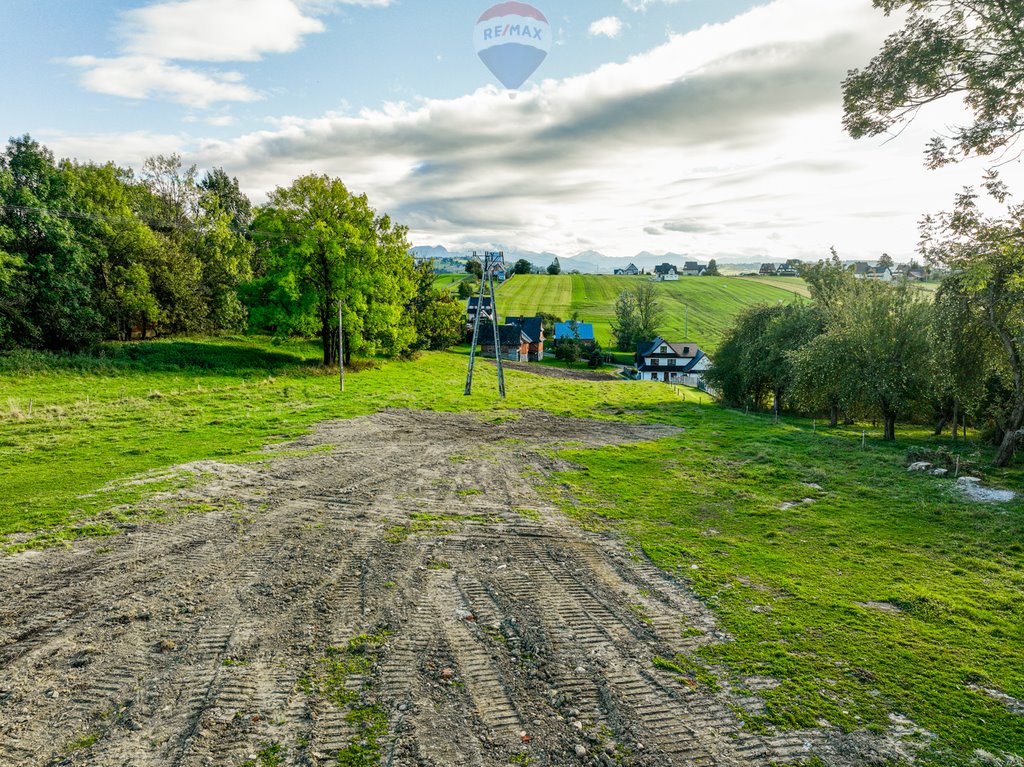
[(588, 261)]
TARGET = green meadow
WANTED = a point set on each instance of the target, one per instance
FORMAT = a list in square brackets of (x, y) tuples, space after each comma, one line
[(863, 589), (697, 309), (449, 281)]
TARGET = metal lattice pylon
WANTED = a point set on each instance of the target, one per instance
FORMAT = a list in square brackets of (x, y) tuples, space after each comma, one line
[(493, 262)]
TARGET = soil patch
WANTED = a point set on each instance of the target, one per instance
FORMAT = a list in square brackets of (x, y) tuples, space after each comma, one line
[(387, 590)]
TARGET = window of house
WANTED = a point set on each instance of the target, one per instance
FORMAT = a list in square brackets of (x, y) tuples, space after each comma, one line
[(672, 362), (654, 362), (686, 350), (663, 350)]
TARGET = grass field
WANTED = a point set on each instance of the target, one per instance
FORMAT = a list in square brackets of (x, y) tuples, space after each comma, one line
[(712, 301), (792, 284), (449, 281), (878, 592)]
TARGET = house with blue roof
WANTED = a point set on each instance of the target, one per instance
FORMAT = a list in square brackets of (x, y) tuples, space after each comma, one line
[(584, 331)]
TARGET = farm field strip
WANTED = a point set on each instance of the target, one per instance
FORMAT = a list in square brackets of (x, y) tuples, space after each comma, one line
[(712, 301)]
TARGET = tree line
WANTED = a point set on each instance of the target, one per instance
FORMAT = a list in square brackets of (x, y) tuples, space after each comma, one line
[(867, 350), (90, 252)]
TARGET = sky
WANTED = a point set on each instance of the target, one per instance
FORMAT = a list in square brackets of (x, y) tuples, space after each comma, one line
[(710, 128)]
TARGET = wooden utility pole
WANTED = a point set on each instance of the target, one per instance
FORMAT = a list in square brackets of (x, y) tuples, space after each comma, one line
[(341, 351)]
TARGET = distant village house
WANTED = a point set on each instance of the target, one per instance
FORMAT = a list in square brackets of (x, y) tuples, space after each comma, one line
[(515, 345), (532, 329), (666, 273), (584, 331), (865, 271)]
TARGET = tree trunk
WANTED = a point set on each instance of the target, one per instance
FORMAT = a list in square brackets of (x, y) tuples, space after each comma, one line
[(1014, 434), (325, 338), (833, 416), (956, 419), (941, 425), (890, 427), (1015, 426)]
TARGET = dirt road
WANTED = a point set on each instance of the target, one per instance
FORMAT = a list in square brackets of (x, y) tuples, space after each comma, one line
[(390, 590)]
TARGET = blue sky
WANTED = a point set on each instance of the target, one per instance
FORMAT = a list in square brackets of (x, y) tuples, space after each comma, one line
[(707, 127)]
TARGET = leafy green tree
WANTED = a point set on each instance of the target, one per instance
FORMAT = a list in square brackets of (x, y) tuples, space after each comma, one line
[(554, 267), (123, 248), (475, 268), (712, 269), (229, 198), (548, 321), (522, 266), (437, 317), (48, 300), (637, 316), (971, 50), (466, 289), (985, 257), (324, 245), (754, 362), (875, 352), (963, 354), (886, 261), (570, 350)]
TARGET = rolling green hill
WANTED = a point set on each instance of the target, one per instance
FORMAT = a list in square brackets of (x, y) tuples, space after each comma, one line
[(449, 281), (712, 301)]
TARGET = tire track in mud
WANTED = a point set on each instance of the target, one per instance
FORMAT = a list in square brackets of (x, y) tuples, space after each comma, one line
[(505, 633)]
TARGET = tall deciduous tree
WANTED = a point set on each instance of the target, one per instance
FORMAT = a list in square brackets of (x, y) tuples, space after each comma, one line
[(971, 49), (637, 316), (554, 267), (324, 245), (49, 300)]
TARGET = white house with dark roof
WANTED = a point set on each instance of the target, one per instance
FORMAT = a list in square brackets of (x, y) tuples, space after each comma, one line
[(866, 271), (672, 362), (666, 272)]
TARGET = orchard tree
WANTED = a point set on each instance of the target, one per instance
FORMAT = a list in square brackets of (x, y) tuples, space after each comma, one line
[(986, 259), (712, 269), (754, 362), (972, 50), (554, 267), (522, 266), (874, 355)]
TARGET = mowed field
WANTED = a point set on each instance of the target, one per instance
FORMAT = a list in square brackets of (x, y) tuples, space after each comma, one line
[(713, 302), (448, 281)]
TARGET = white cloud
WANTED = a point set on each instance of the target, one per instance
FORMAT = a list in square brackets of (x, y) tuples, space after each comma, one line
[(725, 141), (156, 36), (216, 30), (141, 77), (609, 26)]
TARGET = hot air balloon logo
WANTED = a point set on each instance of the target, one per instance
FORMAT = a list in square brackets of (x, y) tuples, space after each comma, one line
[(512, 39)]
